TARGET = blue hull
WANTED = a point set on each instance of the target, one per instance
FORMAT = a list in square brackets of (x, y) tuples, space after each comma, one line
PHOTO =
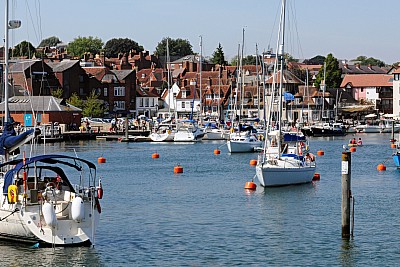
[(396, 159)]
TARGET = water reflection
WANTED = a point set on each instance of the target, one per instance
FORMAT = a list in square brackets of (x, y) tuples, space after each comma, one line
[(348, 252), (15, 254)]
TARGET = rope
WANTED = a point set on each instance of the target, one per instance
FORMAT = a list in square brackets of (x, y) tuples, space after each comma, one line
[(14, 211)]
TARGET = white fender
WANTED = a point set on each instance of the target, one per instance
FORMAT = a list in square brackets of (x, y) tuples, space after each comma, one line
[(49, 214), (78, 209)]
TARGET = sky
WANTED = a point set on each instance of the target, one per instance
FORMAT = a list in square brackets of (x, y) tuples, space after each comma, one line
[(345, 28)]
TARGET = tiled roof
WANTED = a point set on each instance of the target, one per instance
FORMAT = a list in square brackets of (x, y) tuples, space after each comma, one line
[(122, 74), (288, 78), (360, 69), (367, 80), (63, 65)]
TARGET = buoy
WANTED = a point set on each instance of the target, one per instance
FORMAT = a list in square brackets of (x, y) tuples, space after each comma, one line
[(316, 177), (353, 149), (250, 186), (381, 167), (155, 156), (253, 162), (393, 145), (100, 190), (101, 160), (320, 153), (178, 169), (217, 151)]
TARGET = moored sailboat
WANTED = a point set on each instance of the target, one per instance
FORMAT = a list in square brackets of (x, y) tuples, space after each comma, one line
[(281, 162)]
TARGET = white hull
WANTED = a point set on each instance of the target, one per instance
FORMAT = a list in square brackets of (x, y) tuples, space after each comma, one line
[(242, 146), (286, 171), (216, 134), (162, 137), (184, 136)]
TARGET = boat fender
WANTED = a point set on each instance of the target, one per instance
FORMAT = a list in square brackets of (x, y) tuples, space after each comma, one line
[(49, 214), (12, 194), (97, 204), (77, 209), (100, 190)]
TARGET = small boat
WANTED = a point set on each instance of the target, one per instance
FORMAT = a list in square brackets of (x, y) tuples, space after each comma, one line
[(163, 133), (188, 131), (242, 142)]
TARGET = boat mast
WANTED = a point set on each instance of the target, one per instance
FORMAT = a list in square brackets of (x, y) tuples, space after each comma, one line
[(281, 55), (241, 108), (201, 91), (6, 63), (323, 93), (169, 87), (257, 81)]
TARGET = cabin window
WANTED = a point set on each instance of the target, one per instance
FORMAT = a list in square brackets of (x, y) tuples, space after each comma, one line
[(119, 91)]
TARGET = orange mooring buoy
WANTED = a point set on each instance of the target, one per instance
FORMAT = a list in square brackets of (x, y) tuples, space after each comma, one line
[(101, 160), (250, 186), (320, 152), (393, 145), (253, 162), (178, 169), (155, 156), (316, 177), (353, 149), (217, 151), (381, 167)]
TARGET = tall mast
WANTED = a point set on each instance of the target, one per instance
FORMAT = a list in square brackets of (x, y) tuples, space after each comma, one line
[(258, 88), (281, 55), (169, 88), (6, 62), (323, 91), (201, 91), (241, 108)]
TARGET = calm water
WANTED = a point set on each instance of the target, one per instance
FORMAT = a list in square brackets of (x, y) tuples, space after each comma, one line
[(204, 217)]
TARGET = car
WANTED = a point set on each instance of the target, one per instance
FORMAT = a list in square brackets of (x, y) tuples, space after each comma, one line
[(96, 120)]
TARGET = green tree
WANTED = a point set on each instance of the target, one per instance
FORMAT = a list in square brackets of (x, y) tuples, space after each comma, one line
[(75, 101), (290, 58), (58, 93), (177, 47), (93, 107), (218, 56), (50, 41), (248, 60), (333, 73), (369, 61), (121, 45), (24, 49), (317, 60), (82, 45)]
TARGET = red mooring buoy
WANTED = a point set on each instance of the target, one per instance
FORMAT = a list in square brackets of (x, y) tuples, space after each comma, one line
[(250, 186)]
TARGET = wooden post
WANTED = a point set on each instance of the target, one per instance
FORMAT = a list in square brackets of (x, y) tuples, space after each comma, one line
[(346, 193), (126, 128), (392, 132)]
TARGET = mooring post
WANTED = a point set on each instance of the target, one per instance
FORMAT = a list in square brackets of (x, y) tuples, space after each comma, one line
[(392, 132), (126, 127), (346, 193)]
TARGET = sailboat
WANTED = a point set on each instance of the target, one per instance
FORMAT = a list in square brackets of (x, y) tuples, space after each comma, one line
[(282, 162), (40, 204)]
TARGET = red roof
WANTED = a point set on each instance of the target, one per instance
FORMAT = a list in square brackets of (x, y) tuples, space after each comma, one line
[(367, 80)]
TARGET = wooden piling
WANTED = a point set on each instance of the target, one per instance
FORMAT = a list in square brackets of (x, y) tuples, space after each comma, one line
[(346, 193), (392, 132)]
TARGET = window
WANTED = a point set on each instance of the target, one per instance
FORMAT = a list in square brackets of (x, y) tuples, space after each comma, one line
[(396, 76), (183, 104), (152, 102), (141, 102), (105, 91), (208, 96), (81, 92), (119, 105), (98, 91), (362, 90), (146, 102), (119, 91), (81, 78), (183, 94)]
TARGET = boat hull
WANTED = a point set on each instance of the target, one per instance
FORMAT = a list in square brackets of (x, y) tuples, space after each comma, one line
[(284, 173), (242, 147), (162, 137)]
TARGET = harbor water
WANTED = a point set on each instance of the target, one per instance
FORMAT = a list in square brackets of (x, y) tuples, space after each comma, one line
[(204, 216)]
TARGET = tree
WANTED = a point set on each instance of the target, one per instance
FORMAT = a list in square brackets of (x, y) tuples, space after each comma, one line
[(24, 49), (218, 56), (75, 101), (369, 61), (51, 41), (177, 47), (121, 45), (93, 107), (290, 58), (249, 60), (82, 45), (333, 73), (58, 93), (317, 60)]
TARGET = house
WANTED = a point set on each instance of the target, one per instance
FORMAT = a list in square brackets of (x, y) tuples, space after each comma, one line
[(375, 89), (396, 92), (191, 63), (146, 102), (48, 109), (35, 76)]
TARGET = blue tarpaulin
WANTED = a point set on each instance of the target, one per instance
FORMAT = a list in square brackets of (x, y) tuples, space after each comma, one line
[(288, 96)]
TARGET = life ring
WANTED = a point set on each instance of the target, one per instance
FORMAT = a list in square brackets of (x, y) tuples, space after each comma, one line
[(12, 194)]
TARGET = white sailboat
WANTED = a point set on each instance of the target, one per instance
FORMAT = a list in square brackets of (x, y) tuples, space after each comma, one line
[(39, 203), (281, 163)]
